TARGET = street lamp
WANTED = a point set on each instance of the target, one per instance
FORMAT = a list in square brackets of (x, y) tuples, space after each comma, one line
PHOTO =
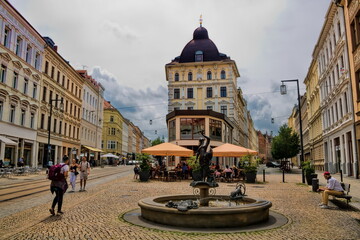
[(61, 107), (283, 92)]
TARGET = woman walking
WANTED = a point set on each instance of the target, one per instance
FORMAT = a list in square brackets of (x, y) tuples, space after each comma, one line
[(73, 174)]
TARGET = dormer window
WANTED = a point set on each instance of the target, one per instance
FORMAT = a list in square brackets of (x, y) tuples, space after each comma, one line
[(198, 56), (176, 77)]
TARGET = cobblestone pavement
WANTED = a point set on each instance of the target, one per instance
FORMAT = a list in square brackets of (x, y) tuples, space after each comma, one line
[(96, 214)]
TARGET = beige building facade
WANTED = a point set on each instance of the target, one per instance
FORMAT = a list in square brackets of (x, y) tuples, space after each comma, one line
[(21, 57), (60, 108)]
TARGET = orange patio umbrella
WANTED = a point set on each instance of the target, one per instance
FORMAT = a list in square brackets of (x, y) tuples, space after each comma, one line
[(231, 150), (168, 149)]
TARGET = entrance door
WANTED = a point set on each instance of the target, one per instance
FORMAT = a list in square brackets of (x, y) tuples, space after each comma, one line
[(350, 149)]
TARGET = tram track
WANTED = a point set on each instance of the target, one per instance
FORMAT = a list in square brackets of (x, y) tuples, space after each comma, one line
[(29, 191)]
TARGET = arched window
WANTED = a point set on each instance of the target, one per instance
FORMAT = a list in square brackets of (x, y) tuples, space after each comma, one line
[(176, 77), (209, 76), (190, 76), (223, 74), (198, 56)]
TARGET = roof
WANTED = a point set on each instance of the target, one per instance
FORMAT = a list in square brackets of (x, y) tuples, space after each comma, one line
[(200, 42)]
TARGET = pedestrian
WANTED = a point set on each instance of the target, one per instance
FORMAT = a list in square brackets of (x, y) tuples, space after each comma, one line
[(136, 171), (73, 174), (84, 173), (59, 186), (333, 187), (21, 162)]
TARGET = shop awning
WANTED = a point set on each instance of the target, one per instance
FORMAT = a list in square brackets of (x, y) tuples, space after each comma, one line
[(7, 141), (93, 149)]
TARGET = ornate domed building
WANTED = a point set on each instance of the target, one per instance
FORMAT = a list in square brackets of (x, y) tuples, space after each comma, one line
[(203, 95)]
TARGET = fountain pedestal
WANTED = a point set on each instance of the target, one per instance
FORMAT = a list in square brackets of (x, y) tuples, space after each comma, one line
[(204, 190)]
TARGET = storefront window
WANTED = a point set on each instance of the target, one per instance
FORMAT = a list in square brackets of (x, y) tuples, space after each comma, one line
[(172, 131), (190, 127), (215, 130)]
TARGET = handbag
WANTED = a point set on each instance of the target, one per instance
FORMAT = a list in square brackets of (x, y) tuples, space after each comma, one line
[(76, 173)]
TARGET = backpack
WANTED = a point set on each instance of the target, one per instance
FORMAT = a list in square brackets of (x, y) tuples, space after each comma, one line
[(55, 173)]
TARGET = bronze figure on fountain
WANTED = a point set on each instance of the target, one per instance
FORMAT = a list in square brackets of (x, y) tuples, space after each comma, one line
[(204, 157)]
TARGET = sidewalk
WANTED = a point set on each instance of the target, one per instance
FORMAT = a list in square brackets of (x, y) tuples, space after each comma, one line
[(354, 187)]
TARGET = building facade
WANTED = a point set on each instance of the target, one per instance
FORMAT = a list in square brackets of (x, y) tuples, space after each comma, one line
[(60, 108), (91, 118), (335, 94), (21, 57), (314, 115), (352, 26), (203, 96)]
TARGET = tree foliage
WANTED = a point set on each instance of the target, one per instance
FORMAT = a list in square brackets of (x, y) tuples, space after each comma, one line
[(156, 141), (286, 144)]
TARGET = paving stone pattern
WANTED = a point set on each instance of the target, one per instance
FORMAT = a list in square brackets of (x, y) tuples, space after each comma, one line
[(95, 214)]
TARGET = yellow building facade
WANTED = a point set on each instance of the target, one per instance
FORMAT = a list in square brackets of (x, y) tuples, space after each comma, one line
[(314, 115), (112, 130)]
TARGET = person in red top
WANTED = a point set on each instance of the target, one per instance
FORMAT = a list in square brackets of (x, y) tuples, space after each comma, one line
[(59, 187)]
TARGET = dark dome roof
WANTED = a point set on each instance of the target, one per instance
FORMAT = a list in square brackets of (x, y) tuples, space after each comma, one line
[(200, 42)]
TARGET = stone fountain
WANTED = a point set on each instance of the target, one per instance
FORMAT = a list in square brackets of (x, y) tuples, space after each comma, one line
[(205, 209)]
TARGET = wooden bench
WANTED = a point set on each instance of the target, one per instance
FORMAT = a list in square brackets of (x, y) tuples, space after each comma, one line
[(346, 187)]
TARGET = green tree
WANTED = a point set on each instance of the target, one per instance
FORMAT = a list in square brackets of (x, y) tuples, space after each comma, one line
[(156, 141), (285, 144)]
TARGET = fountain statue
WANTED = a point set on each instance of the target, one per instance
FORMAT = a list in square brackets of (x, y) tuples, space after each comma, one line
[(204, 157)]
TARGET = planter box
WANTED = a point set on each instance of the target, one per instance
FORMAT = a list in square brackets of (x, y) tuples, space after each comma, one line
[(144, 176), (250, 177)]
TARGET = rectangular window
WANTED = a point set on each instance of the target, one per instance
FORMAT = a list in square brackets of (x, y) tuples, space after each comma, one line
[(58, 77), (42, 121), (190, 108), (12, 114), (37, 60), (44, 94), (190, 93), (50, 97), (222, 91), (7, 35), (111, 118), (56, 102), (72, 88), (113, 131), (111, 145), (18, 46), (209, 92), (46, 67), (336, 113), (15, 80), (65, 128), (176, 93), (63, 81), (26, 84), (22, 117), (3, 73), (52, 72), (346, 103), (66, 105), (339, 29), (71, 108), (28, 54), (54, 129), (223, 110), (68, 84), (1, 109), (215, 129), (190, 127), (209, 107), (60, 127), (172, 131), (32, 120), (341, 108)]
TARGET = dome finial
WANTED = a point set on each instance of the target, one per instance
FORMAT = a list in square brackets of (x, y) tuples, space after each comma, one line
[(201, 20)]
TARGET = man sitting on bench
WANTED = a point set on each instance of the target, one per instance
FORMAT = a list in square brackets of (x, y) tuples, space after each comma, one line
[(333, 187)]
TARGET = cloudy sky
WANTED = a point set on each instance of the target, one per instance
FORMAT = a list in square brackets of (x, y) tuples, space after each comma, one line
[(126, 44)]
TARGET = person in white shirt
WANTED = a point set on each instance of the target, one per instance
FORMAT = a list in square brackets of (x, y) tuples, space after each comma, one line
[(333, 187), (84, 173)]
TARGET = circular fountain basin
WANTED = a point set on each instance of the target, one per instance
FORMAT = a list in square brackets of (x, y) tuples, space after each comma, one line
[(250, 211)]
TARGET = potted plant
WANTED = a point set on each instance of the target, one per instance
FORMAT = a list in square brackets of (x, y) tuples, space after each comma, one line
[(144, 166), (309, 171), (250, 169), (195, 168)]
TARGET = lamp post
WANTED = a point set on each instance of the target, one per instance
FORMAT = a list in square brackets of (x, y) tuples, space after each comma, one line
[(61, 107), (283, 92)]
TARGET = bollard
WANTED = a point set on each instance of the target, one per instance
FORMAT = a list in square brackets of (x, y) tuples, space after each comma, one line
[(283, 175), (263, 175), (315, 184)]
